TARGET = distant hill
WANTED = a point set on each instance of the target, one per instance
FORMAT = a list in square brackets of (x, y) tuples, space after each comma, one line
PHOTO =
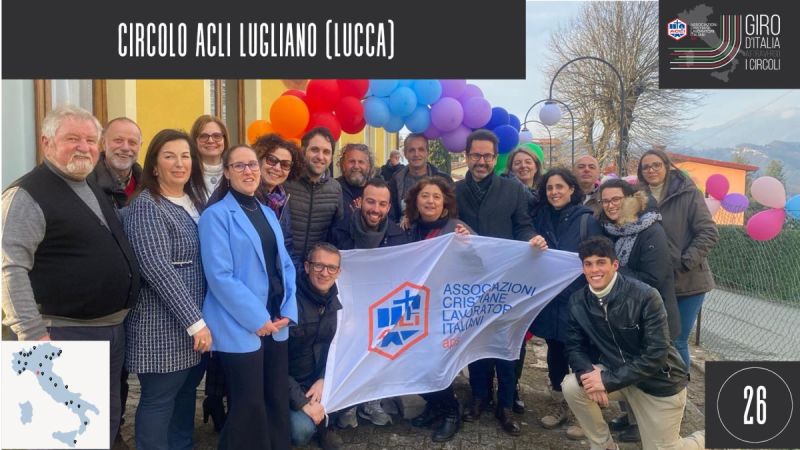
[(758, 155)]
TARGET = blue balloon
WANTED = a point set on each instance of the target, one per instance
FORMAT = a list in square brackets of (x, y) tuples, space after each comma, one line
[(402, 101), (376, 111), (405, 83), (382, 88), (499, 117), (514, 122), (394, 124), (793, 207), (419, 120), (428, 91), (507, 138)]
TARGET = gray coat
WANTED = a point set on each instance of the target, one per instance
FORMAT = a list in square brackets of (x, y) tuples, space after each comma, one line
[(691, 234), (164, 239)]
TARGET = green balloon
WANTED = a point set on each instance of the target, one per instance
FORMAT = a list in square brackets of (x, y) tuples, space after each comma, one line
[(502, 160), (537, 150)]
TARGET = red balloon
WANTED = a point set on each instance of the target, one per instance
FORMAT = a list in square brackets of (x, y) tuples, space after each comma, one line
[(353, 88), (297, 93), (327, 120), (350, 112), (322, 95), (355, 128)]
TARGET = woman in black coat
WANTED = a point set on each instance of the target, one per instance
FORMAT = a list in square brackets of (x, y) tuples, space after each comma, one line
[(564, 222)]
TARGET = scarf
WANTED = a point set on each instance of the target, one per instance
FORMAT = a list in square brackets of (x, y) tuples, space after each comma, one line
[(306, 290), (627, 234), (429, 230), (479, 188), (363, 237), (603, 293), (276, 199)]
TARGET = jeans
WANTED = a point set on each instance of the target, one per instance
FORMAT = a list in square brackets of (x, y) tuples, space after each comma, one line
[(165, 416), (302, 428), (688, 307)]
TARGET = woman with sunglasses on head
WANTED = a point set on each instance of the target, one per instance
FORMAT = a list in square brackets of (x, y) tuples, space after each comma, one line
[(251, 301), (691, 234), (211, 137), (630, 218)]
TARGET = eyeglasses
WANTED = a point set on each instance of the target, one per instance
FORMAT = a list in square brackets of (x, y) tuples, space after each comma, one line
[(272, 161), (240, 166), (319, 267), (488, 157), (612, 201), (655, 167), (217, 137)]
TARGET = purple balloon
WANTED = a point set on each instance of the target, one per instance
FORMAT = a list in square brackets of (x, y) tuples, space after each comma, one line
[(432, 132), (470, 91), (447, 114), (453, 88), (477, 112), (735, 203), (456, 141)]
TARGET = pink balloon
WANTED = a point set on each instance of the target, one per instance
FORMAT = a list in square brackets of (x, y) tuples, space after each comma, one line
[(470, 91), (713, 205), (447, 114), (769, 192), (717, 186), (453, 88), (432, 132), (456, 141), (766, 224)]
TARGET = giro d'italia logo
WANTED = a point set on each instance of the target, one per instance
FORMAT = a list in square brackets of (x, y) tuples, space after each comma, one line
[(677, 29), (399, 320)]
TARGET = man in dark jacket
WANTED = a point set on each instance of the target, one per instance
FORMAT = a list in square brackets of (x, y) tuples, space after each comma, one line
[(315, 201), (309, 342), (356, 165), (496, 207), (117, 173), (370, 226), (587, 172), (415, 147), (619, 348), (392, 166)]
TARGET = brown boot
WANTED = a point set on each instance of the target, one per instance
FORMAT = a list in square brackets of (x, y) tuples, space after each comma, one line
[(556, 413)]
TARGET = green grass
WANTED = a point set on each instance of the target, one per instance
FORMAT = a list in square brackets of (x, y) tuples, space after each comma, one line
[(768, 270)]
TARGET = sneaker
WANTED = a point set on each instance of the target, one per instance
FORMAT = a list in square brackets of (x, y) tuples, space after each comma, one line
[(574, 430), (556, 413), (348, 419), (373, 412)]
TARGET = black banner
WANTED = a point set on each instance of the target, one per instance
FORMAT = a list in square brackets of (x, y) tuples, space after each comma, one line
[(247, 39), (729, 44)]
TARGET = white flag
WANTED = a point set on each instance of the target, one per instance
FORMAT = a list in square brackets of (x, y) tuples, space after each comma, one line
[(414, 315)]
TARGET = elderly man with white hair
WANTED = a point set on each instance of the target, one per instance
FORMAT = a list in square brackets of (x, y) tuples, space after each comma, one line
[(69, 272)]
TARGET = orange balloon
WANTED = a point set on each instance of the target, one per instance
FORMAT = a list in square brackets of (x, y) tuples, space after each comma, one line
[(257, 129), (289, 116), (296, 141)]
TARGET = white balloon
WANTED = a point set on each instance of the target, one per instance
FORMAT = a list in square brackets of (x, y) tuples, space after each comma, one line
[(713, 205), (769, 192)]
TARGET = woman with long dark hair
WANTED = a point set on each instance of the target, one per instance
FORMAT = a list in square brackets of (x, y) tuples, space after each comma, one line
[(165, 330), (251, 302)]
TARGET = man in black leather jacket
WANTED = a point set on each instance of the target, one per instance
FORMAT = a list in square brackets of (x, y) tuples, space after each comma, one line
[(619, 349)]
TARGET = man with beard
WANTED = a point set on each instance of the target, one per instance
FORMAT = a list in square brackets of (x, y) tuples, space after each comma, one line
[(356, 165), (369, 228), (496, 207), (69, 272), (117, 173), (315, 199), (587, 171), (415, 148)]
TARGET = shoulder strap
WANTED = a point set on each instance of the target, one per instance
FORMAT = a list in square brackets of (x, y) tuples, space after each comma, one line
[(584, 220)]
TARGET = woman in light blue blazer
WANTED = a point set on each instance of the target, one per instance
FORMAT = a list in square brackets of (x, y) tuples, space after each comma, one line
[(250, 303)]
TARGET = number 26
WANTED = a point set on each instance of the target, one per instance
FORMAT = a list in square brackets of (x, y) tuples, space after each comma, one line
[(761, 405)]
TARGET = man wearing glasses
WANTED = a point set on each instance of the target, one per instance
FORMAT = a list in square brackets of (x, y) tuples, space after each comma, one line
[(496, 207), (309, 342)]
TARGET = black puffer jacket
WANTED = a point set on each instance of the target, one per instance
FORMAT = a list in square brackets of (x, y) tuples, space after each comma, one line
[(310, 340), (314, 208), (630, 338)]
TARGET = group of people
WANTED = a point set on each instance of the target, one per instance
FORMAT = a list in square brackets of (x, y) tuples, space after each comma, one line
[(220, 260)]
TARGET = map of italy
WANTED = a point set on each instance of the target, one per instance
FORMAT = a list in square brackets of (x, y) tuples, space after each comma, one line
[(37, 362)]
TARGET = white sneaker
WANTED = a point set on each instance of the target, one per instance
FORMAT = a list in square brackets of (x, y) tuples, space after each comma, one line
[(373, 412), (348, 419)]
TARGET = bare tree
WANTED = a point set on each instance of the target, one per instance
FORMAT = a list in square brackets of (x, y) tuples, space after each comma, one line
[(626, 35)]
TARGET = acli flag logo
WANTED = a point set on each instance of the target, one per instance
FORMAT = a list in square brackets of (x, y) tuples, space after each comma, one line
[(399, 320)]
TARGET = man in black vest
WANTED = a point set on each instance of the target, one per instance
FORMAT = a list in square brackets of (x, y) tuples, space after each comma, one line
[(68, 270)]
